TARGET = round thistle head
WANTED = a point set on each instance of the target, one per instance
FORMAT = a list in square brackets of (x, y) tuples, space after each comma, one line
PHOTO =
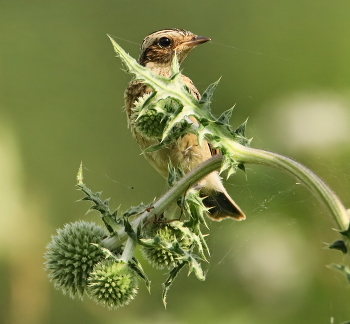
[(162, 252), (151, 124), (70, 256), (150, 120), (112, 283)]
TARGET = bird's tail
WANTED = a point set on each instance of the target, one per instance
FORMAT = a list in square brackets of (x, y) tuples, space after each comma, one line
[(222, 206)]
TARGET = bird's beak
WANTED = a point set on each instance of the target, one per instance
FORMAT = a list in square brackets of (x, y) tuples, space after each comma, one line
[(196, 40)]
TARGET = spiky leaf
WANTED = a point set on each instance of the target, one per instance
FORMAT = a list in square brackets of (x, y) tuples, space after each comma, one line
[(109, 218), (172, 275), (346, 232), (339, 245), (225, 117), (137, 267), (205, 101), (343, 269)]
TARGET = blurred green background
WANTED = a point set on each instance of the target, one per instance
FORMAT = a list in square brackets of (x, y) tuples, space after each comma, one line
[(286, 66)]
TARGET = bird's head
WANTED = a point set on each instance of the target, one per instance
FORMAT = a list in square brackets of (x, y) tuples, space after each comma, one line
[(158, 48)]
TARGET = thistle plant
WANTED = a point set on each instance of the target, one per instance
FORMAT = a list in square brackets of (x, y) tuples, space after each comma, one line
[(84, 258)]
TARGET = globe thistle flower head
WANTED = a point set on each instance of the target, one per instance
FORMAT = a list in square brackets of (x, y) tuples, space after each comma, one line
[(70, 256), (162, 251), (112, 283), (152, 121)]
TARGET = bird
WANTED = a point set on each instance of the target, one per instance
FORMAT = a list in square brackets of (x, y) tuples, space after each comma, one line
[(156, 53)]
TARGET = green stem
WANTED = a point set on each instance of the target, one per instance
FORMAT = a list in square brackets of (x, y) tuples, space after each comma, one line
[(128, 251), (247, 155), (169, 197), (181, 186), (303, 174)]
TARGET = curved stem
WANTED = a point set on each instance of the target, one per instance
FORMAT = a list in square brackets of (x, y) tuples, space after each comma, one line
[(247, 155), (181, 186), (303, 174), (170, 196)]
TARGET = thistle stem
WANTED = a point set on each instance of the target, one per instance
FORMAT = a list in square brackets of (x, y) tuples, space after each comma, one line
[(181, 186), (173, 193), (303, 174), (254, 156), (128, 251)]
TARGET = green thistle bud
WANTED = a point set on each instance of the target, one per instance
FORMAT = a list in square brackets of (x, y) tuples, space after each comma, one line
[(152, 121), (151, 124), (162, 252), (71, 256), (112, 284)]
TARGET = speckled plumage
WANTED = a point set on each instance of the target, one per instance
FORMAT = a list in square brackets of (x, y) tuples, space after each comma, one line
[(185, 151)]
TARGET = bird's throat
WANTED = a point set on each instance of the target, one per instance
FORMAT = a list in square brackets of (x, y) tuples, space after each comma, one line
[(163, 69)]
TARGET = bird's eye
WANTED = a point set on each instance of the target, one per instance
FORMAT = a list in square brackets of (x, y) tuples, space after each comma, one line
[(164, 42)]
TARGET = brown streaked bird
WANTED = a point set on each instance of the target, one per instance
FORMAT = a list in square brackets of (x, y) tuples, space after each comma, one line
[(157, 52)]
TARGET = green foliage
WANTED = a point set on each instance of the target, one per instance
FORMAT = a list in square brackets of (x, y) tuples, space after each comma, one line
[(339, 245), (193, 206), (169, 244), (346, 233), (136, 266), (102, 206)]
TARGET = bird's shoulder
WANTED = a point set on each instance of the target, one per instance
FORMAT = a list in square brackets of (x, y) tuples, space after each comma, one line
[(133, 91)]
